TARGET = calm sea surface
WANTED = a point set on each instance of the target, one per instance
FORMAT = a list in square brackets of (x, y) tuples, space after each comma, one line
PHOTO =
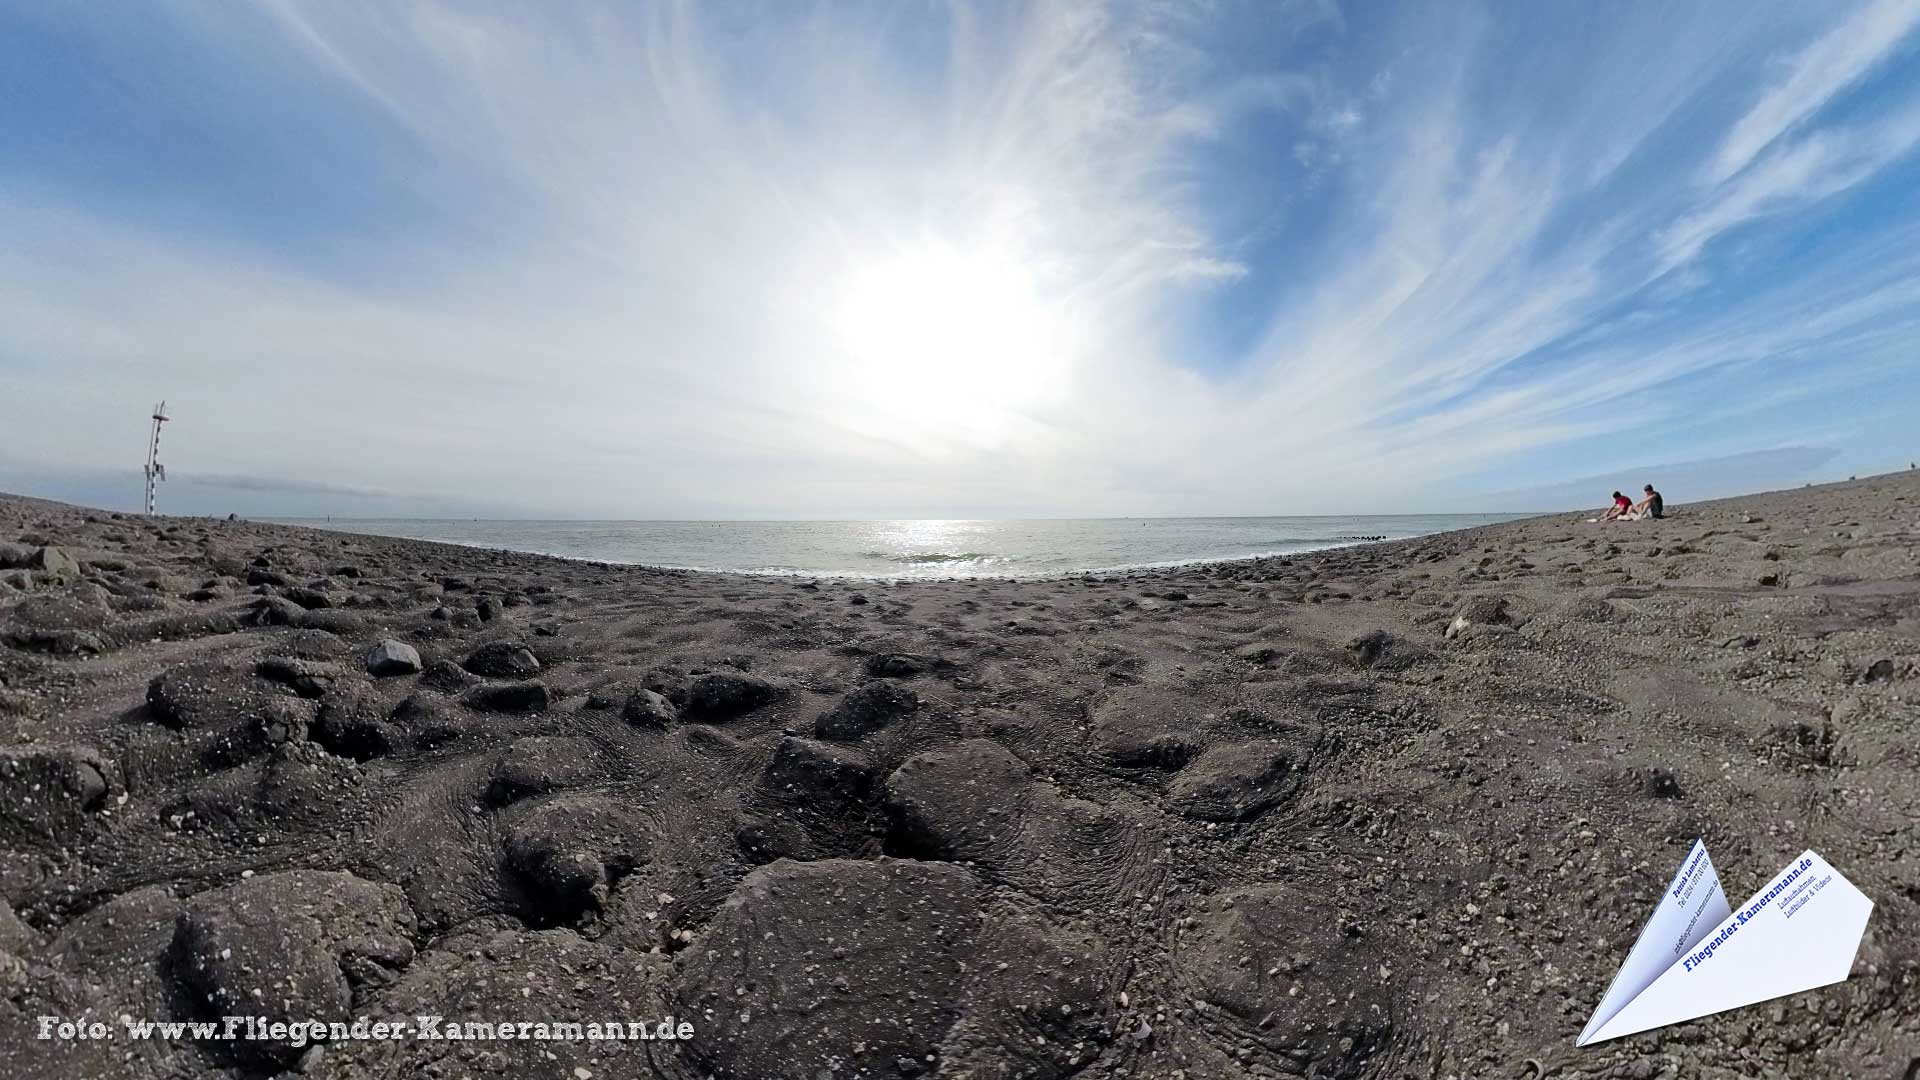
[(916, 549)]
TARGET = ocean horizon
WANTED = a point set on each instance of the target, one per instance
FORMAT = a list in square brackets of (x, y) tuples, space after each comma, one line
[(917, 549)]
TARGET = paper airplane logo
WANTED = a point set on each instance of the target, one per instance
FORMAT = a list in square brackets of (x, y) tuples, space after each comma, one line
[(1696, 956)]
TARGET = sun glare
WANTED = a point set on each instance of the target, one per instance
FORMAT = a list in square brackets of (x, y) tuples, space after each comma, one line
[(953, 340)]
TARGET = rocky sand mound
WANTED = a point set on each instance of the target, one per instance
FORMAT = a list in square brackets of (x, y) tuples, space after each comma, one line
[(1392, 810)]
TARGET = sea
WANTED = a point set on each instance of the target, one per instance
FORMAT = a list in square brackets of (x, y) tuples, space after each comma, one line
[(917, 549)]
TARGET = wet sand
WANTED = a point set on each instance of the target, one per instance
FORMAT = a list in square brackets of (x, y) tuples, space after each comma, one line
[(1391, 810)]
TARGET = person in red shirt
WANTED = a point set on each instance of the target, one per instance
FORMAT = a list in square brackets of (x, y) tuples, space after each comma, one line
[(1621, 504)]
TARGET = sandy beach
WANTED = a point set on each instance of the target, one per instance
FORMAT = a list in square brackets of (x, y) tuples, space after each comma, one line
[(1391, 810)]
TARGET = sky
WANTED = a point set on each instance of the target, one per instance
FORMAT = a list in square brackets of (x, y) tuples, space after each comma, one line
[(918, 259)]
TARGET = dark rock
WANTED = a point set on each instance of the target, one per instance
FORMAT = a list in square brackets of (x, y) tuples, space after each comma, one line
[(821, 775), (721, 695), (267, 577), (503, 660), (1369, 649), (280, 721), (1485, 609), (1660, 783), (1479, 611), (128, 934), (1145, 729), (1042, 994), (426, 721), (866, 710), (50, 564), (391, 657), (668, 681), (16, 937), (1383, 651), (309, 644), (708, 741), (961, 802), (761, 840), (297, 945), (273, 611), (46, 792), (539, 764), (311, 599), (354, 725), (57, 642), (447, 677), (488, 608), (568, 851), (308, 678), (648, 709), (69, 622), (883, 945), (208, 694), (1238, 782), (520, 697)]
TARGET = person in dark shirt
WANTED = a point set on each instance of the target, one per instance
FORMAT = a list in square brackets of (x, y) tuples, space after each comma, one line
[(1653, 506)]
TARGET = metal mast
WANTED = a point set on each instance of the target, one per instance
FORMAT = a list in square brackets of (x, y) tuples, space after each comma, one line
[(155, 471)]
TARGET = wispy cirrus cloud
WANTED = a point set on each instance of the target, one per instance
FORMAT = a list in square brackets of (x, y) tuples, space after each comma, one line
[(1843, 55), (1823, 164)]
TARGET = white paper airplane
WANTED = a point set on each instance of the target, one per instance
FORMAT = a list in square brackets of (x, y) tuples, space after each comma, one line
[(1696, 956)]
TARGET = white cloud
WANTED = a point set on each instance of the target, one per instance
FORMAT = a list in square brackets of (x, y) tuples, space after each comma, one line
[(664, 230), (673, 307), (1816, 167), (1821, 71)]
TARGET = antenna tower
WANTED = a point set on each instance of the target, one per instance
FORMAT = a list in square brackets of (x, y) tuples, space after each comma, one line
[(156, 472)]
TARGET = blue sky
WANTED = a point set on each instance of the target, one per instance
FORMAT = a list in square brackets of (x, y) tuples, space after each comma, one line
[(929, 259)]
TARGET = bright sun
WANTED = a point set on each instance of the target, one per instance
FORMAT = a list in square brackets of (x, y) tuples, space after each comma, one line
[(953, 340)]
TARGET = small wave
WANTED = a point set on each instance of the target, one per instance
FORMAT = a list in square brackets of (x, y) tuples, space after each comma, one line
[(1284, 541), (930, 557)]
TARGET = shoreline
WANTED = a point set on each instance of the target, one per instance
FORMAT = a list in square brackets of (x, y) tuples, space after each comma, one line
[(1320, 811), (825, 575), (1200, 563), (1304, 547)]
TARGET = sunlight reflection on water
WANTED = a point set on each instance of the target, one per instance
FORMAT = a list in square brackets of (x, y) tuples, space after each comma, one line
[(918, 548)]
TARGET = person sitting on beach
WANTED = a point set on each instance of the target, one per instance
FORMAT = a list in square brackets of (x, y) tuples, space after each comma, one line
[(1650, 507), (1621, 504)]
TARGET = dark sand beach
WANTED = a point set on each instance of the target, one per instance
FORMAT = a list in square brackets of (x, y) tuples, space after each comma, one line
[(1392, 810)]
